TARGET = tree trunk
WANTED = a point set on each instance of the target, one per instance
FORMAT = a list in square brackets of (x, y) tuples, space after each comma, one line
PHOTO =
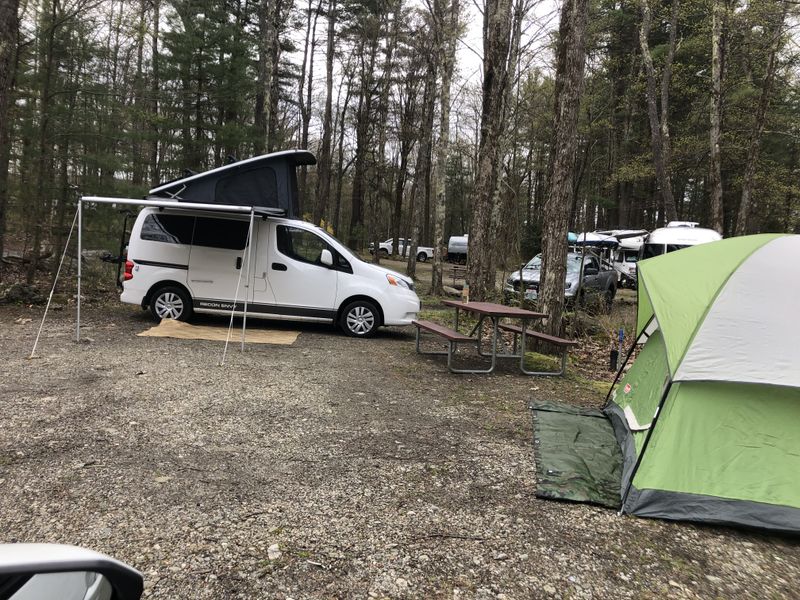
[(557, 204), (447, 48), (8, 50), (421, 171), (754, 146), (715, 132), (304, 95), (154, 90), (323, 188), (340, 169), (384, 191), (44, 145), (496, 41), (407, 138), (138, 165), (657, 128), (267, 72), (363, 145)]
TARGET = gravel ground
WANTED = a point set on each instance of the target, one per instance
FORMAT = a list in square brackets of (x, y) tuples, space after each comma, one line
[(328, 469)]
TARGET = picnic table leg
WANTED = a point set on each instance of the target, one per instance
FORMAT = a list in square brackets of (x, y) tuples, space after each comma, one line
[(479, 329), (451, 349), (431, 352), (495, 323), (543, 373)]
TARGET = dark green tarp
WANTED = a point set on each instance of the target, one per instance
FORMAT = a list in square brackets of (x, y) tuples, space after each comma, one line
[(577, 455)]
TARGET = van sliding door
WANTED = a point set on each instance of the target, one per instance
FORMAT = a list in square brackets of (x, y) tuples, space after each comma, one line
[(218, 262)]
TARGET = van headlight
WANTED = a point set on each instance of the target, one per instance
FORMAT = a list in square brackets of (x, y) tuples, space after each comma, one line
[(398, 282)]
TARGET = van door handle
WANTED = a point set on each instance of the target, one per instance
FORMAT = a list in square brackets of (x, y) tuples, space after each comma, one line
[(279, 267), (238, 262)]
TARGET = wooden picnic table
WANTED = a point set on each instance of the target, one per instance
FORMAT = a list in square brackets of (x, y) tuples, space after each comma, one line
[(495, 313)]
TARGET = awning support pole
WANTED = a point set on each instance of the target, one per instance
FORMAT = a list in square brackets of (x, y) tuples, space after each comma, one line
[(236, 295), (249, 278), (55, 282), (80, 260)]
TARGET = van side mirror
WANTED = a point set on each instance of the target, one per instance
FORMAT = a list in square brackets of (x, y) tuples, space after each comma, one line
[(326, 258), (590, 271), (54, 571)]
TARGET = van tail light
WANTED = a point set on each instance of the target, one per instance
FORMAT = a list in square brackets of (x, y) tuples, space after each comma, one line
[(128, 270)]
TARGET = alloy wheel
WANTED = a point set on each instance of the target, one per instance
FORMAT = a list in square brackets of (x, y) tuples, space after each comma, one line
[(169, 306), (360, 320)]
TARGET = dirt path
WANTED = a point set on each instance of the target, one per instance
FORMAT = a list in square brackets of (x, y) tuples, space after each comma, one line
[(374, 471)]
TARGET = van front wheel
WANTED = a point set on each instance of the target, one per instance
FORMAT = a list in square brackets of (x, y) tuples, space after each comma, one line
[(171, 302), (359, 319)]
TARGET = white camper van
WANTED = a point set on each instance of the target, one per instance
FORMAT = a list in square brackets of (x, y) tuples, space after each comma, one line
[(676, 235), (181, 261)]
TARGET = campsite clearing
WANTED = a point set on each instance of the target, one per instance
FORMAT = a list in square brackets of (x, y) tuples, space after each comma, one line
[(333, 467)]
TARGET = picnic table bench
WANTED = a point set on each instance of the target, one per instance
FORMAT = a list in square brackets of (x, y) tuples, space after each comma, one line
[(453, 338), (458, 272), (563, 344)]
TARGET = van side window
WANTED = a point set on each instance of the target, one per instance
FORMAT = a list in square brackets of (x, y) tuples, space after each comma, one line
[(300, 244), (170, 229), (228, 234), (342, 263)]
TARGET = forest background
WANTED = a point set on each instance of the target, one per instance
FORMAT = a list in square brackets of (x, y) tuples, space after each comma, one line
[(428, 119)]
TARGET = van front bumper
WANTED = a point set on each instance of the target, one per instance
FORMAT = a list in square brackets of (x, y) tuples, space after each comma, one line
[(401, 310)]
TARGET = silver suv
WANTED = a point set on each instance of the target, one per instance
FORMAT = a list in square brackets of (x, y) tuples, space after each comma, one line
[(597, 277)]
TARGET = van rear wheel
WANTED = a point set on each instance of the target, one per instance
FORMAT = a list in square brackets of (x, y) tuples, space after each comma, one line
[(360, 319), (171, 302)]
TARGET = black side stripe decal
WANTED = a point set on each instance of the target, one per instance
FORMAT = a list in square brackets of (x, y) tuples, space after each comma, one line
[(153, 263), (271, 309)]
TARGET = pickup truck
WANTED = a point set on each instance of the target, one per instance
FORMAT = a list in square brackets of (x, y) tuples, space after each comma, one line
[(598, 277), (423, 252)]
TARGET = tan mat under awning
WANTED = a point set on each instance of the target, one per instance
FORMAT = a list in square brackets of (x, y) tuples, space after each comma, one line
[(184, 331)]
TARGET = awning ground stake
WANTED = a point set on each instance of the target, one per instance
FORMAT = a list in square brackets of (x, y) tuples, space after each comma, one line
[(55, 282)]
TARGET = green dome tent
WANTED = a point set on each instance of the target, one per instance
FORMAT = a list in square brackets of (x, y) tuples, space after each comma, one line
[(708, 416)]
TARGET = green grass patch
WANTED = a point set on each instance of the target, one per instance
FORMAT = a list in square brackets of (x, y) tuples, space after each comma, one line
[(541, 362)]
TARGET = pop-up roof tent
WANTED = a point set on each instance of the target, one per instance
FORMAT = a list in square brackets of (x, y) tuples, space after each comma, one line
[(707, 417), (268, 181)]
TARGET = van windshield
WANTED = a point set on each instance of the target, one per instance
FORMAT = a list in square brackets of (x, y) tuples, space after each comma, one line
[(535, 263), (651, 250), (630, 256)]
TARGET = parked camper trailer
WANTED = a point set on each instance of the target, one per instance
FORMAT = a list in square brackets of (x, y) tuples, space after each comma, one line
[(457, 248), (675, 236)]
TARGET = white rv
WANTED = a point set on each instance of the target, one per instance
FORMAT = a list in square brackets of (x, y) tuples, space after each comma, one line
[(676, 235), (182, 261)]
